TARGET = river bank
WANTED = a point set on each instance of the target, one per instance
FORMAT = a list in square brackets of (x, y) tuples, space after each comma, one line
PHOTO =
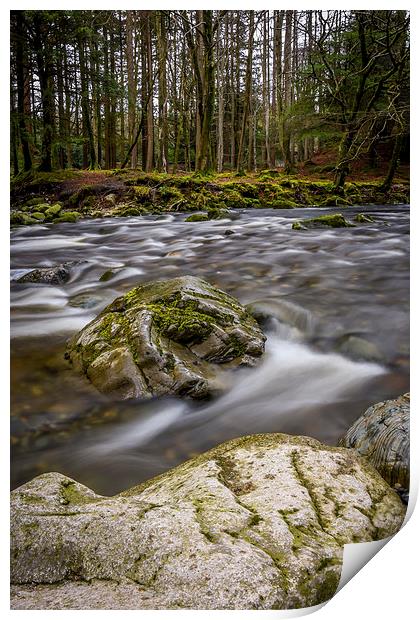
[(69, 195)]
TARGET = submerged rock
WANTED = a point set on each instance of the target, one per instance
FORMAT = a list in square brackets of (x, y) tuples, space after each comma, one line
[(336, 220), (166, 338), (283, 311), (258, 522), (359, 349), (382, 435)]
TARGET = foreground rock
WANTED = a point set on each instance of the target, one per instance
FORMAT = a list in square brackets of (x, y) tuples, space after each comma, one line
[(382, 435), (257, 523), (166, 338)]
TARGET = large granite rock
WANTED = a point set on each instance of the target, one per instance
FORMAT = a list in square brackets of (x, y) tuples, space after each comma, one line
[(166, 338), (256, 523), (382, 435)]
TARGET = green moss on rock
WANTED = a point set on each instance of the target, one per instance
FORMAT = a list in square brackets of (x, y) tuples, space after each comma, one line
[(38, 216), (53, 211), (167, 337), (68, 216), (197, 217), (361, 218), (336, 220)]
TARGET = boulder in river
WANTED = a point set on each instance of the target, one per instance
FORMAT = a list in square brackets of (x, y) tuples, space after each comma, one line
[(335, 220), (166, 337), (197, 217), (382, 435), (59, 274), (258, 522)]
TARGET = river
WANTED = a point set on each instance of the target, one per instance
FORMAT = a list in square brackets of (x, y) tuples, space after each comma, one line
[(327, 287)]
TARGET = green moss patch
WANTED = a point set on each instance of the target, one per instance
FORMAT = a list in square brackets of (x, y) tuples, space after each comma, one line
[(336, 220), (88, 192)]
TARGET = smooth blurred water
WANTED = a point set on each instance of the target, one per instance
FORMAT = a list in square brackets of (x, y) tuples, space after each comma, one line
[(323, 286)]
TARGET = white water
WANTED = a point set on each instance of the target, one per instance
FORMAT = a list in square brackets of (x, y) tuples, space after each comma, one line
[(292, 378)]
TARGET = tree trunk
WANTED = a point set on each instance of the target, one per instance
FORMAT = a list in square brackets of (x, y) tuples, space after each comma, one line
[(162, 53), (107, 104), (21, 69), (87, 125), (61, 114), (201, 51), (13, 136), (248, 92), (113, 98), (67, 120), (122, 91), (287, 91), (44, 61), (132, 91), (150, 126), (393, 164), (265, 92), (221, 69)]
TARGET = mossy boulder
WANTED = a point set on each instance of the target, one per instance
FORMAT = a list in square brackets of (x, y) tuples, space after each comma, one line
[(166, 338), (53, 211), (38, 216), (197, 217), (42, 208), (35, 201), (258, 522), (336, 220), (68, 216), (382, 435), (17, 218)]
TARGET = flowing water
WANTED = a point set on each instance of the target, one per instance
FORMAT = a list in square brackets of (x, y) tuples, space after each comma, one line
[(324, 288)]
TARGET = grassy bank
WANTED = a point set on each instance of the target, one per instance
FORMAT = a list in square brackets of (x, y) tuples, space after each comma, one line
[(72, 194)]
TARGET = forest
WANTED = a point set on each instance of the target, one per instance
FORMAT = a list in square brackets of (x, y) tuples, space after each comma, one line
[(209, 90), (210, 297)]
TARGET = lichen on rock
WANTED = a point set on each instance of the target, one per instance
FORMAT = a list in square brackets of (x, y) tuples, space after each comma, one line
[(258, 522), (166, 338)]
